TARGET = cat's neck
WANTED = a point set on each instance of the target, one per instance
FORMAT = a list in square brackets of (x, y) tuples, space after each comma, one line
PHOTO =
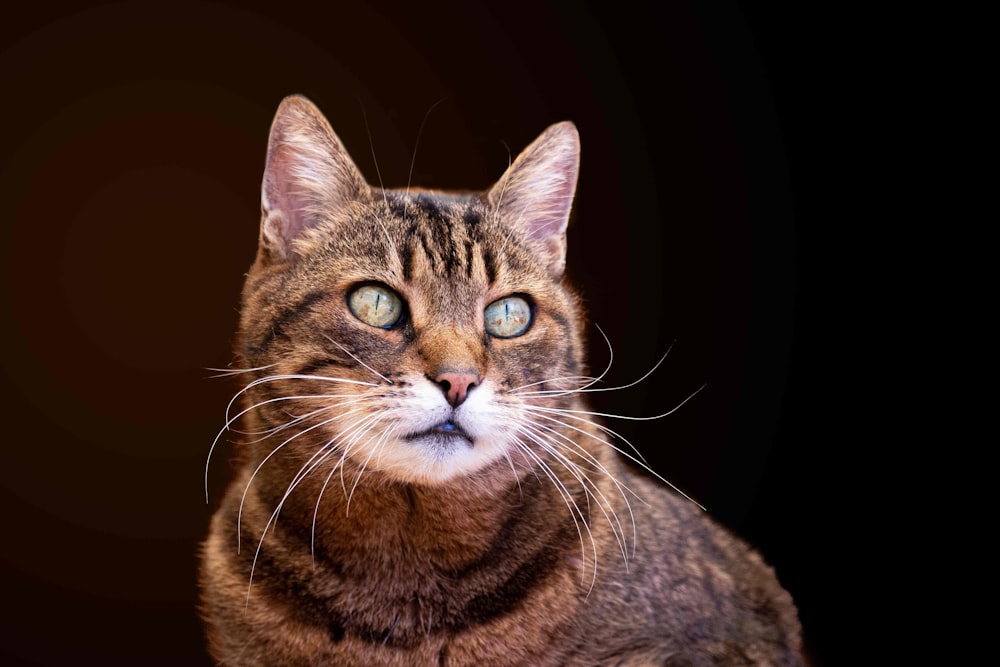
[(361, 514), (446, 526)]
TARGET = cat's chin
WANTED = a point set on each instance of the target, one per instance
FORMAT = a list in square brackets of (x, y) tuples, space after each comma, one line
[(436, 456), (443, 437), (443, 445)]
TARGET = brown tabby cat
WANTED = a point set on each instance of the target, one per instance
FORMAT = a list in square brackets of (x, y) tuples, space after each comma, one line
[(422, 484)]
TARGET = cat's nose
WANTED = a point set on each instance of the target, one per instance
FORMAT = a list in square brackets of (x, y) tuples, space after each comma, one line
[(456, 385)]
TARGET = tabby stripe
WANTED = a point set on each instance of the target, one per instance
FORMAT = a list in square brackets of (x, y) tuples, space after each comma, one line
[(516, 529), (569, 352), (293, 594), (316, 364), (714, 553), (471, 218), (491, 265), (508, 596), (287, 316), (450, 250), (281, 583), (440, 230), (468, 258), (451, 260), (406, 254), (427, 248), (442, 239), (431, 208), (282, 586)]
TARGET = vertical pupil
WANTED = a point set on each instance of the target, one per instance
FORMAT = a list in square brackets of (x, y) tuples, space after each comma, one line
[(378, 298)]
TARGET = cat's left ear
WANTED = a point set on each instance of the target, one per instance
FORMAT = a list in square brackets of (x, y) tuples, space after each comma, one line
[(308, 177), (536, 192)]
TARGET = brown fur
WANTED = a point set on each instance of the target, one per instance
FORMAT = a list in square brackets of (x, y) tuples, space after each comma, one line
[(513, 547)]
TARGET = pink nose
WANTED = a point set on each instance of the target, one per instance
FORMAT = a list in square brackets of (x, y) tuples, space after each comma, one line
[(456, 386)]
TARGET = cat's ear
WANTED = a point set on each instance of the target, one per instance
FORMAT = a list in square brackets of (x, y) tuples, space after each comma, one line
[(308, 175), (536, 192)]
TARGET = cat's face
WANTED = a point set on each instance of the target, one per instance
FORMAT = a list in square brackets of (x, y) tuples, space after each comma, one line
[(417, 335)]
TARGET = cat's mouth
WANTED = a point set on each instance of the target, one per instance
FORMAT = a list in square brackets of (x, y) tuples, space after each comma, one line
[(445, 433)]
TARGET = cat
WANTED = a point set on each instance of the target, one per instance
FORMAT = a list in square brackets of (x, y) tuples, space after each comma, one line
[(420, 482)]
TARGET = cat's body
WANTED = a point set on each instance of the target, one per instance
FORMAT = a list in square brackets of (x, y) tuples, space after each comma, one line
[(415, 415)]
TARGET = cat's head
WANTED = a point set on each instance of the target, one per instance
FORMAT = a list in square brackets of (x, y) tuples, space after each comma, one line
[(421, 335)]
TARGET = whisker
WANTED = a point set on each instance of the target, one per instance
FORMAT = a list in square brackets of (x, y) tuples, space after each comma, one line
[(295, 419), (578, 450), (275, 378), (298, 376), (239, 515), (565, 378), (592, 380), (416, 144), (356, 359), (329, 450), (363, 427), (611, 357), (628, 417), (517, 478), (587, 390), (378, 172), (231, 420), (503, 191), (361, 470), (300, 475), (635, 382), (568, 499), (624, 453), (371, 145), (344, 400), (540, 410), (367, 425), (590, 488), (229, 372), (323, 453)]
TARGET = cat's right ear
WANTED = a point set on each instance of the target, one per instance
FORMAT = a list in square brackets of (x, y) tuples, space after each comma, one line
[(308, 176)]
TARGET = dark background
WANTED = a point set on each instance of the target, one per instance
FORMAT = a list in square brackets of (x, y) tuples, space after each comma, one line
[(130, 161)]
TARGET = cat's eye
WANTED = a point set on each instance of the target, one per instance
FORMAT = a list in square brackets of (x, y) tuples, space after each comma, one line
[(508, 317), (376, 305)]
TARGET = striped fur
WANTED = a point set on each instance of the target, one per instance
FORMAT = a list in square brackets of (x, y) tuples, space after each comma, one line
[(361, 530)]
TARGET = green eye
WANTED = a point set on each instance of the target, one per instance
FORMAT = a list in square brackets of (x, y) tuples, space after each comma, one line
[(376, 305), (507, 317)]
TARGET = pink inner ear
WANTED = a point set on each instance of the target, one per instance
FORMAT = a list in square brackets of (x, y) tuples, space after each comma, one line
[(289, 205), (277, 201), (554, 199), (537, 191), (308, 174)]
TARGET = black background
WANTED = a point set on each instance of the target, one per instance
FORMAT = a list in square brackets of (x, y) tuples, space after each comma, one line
[(130, 161)]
